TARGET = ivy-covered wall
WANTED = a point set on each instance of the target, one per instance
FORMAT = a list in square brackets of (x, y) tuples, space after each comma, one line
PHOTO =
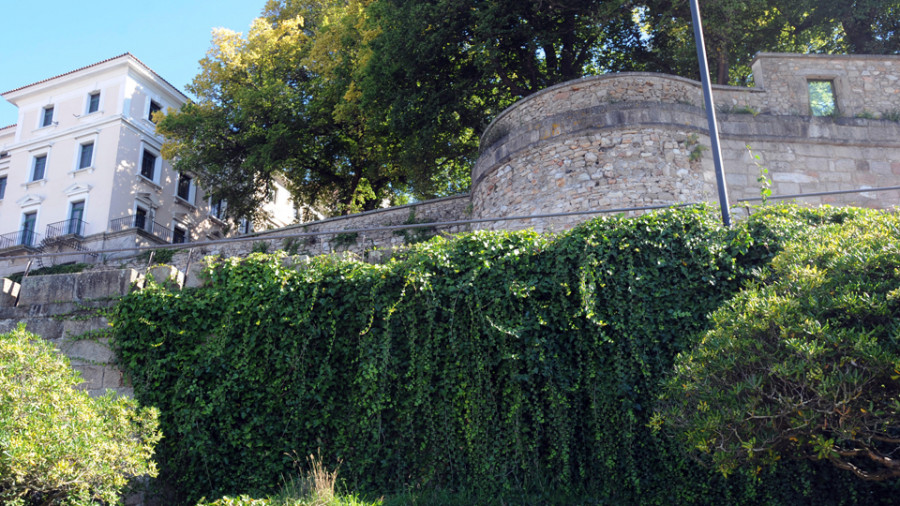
[(491, 361)]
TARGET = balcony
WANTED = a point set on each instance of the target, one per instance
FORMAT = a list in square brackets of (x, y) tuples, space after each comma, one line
[(141, 223), (26, 238), (68, 227)]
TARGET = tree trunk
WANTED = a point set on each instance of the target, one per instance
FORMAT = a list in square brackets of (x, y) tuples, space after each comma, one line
[(721, 66)]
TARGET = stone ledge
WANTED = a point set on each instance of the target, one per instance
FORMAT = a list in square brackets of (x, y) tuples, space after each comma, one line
[(61, 288)]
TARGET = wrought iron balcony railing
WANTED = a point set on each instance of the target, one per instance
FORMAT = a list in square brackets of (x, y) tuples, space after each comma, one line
[(143, 223), (67, 227), (25, 237)]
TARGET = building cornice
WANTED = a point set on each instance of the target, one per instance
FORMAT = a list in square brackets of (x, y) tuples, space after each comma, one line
[(127, 59)]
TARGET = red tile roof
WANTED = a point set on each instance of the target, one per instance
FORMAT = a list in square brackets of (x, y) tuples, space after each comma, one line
[(94, 65)]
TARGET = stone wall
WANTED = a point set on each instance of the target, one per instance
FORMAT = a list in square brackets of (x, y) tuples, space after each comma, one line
[(634, 139), (67, 310), (863, 83), (343, 233)]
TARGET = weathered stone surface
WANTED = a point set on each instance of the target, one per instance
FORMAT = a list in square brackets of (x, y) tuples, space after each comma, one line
[(95, 352), (167, 274), (193, 278), (61, 288), (9, 292), (112, 283)]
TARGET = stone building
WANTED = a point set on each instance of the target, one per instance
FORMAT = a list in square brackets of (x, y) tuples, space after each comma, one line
[(81, 169)]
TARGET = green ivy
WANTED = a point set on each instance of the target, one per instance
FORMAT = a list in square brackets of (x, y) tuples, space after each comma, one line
[(493, 361)]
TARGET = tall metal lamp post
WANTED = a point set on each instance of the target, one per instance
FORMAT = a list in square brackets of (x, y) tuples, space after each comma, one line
[(710, 113)]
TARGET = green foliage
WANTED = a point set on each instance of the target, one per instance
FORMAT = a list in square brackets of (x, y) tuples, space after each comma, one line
[(344, 239), (891, 115), (260, 247), (495, 363), (415, 235), (58, 445), (159, 256), (765, 184), (821, 98), (804, 363), (696, 149), (744, 109), (53, 269), (291, 245)]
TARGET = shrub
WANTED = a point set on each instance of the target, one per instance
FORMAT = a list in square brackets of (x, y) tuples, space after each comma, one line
[(804, 363), (57, 444), (492, 363)]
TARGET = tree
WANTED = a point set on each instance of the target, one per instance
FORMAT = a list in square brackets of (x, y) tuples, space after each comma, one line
[(804, 364), (274, 104), (58, 445), (442, 70), (736, 29)]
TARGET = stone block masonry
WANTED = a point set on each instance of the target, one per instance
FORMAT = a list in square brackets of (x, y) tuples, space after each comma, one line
[(637, 139), (66, 310)]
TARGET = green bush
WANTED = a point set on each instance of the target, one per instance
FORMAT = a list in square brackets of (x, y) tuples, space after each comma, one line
[(57, 444), (805, 363), (493, 362)]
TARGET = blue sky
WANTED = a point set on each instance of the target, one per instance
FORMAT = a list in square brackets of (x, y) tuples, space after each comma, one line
[(41, 39)]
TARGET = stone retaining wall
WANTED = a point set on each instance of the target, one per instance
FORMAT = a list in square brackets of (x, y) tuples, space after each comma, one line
[(627, 140)]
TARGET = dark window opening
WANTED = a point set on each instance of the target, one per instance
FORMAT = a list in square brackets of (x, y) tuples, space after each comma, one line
[(76, 217), (148, 165), (184, 186), (47, 119), (87, 155), (154, 108), (179, 235), (40, 167), (93, 102), (140, 218)]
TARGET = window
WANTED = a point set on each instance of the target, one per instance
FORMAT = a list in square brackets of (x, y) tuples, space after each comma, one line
[(76, 218), (29, 221), (93, 102), (86, 155), (47, 118), (246, 226), (148, 165), (2, 187), (185, 189), (141, 220), (39, 168), (154, 108), (217, 208), (179, 235), (821, 98)]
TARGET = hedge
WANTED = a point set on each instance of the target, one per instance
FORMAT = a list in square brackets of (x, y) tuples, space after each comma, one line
[(493, 361)]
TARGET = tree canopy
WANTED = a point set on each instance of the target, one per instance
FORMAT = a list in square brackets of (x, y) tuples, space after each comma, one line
[(358, 102)]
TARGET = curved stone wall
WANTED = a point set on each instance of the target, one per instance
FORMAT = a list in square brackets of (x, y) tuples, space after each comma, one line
[(639, 139)]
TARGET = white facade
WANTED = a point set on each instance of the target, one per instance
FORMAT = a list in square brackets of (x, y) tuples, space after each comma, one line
[(83, 162)]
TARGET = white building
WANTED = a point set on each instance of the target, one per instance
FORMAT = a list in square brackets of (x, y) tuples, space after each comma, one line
[(81, 168)]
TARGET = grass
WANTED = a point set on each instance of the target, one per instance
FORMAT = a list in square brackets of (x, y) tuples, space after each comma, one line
[(55, 269), (315, 486)]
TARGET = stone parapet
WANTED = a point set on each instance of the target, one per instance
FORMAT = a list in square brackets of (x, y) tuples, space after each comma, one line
[(94, 284)]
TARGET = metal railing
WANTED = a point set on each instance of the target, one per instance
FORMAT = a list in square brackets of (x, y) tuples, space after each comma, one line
[(142, 223), (67, 227), (25, 237), (281, 235)]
